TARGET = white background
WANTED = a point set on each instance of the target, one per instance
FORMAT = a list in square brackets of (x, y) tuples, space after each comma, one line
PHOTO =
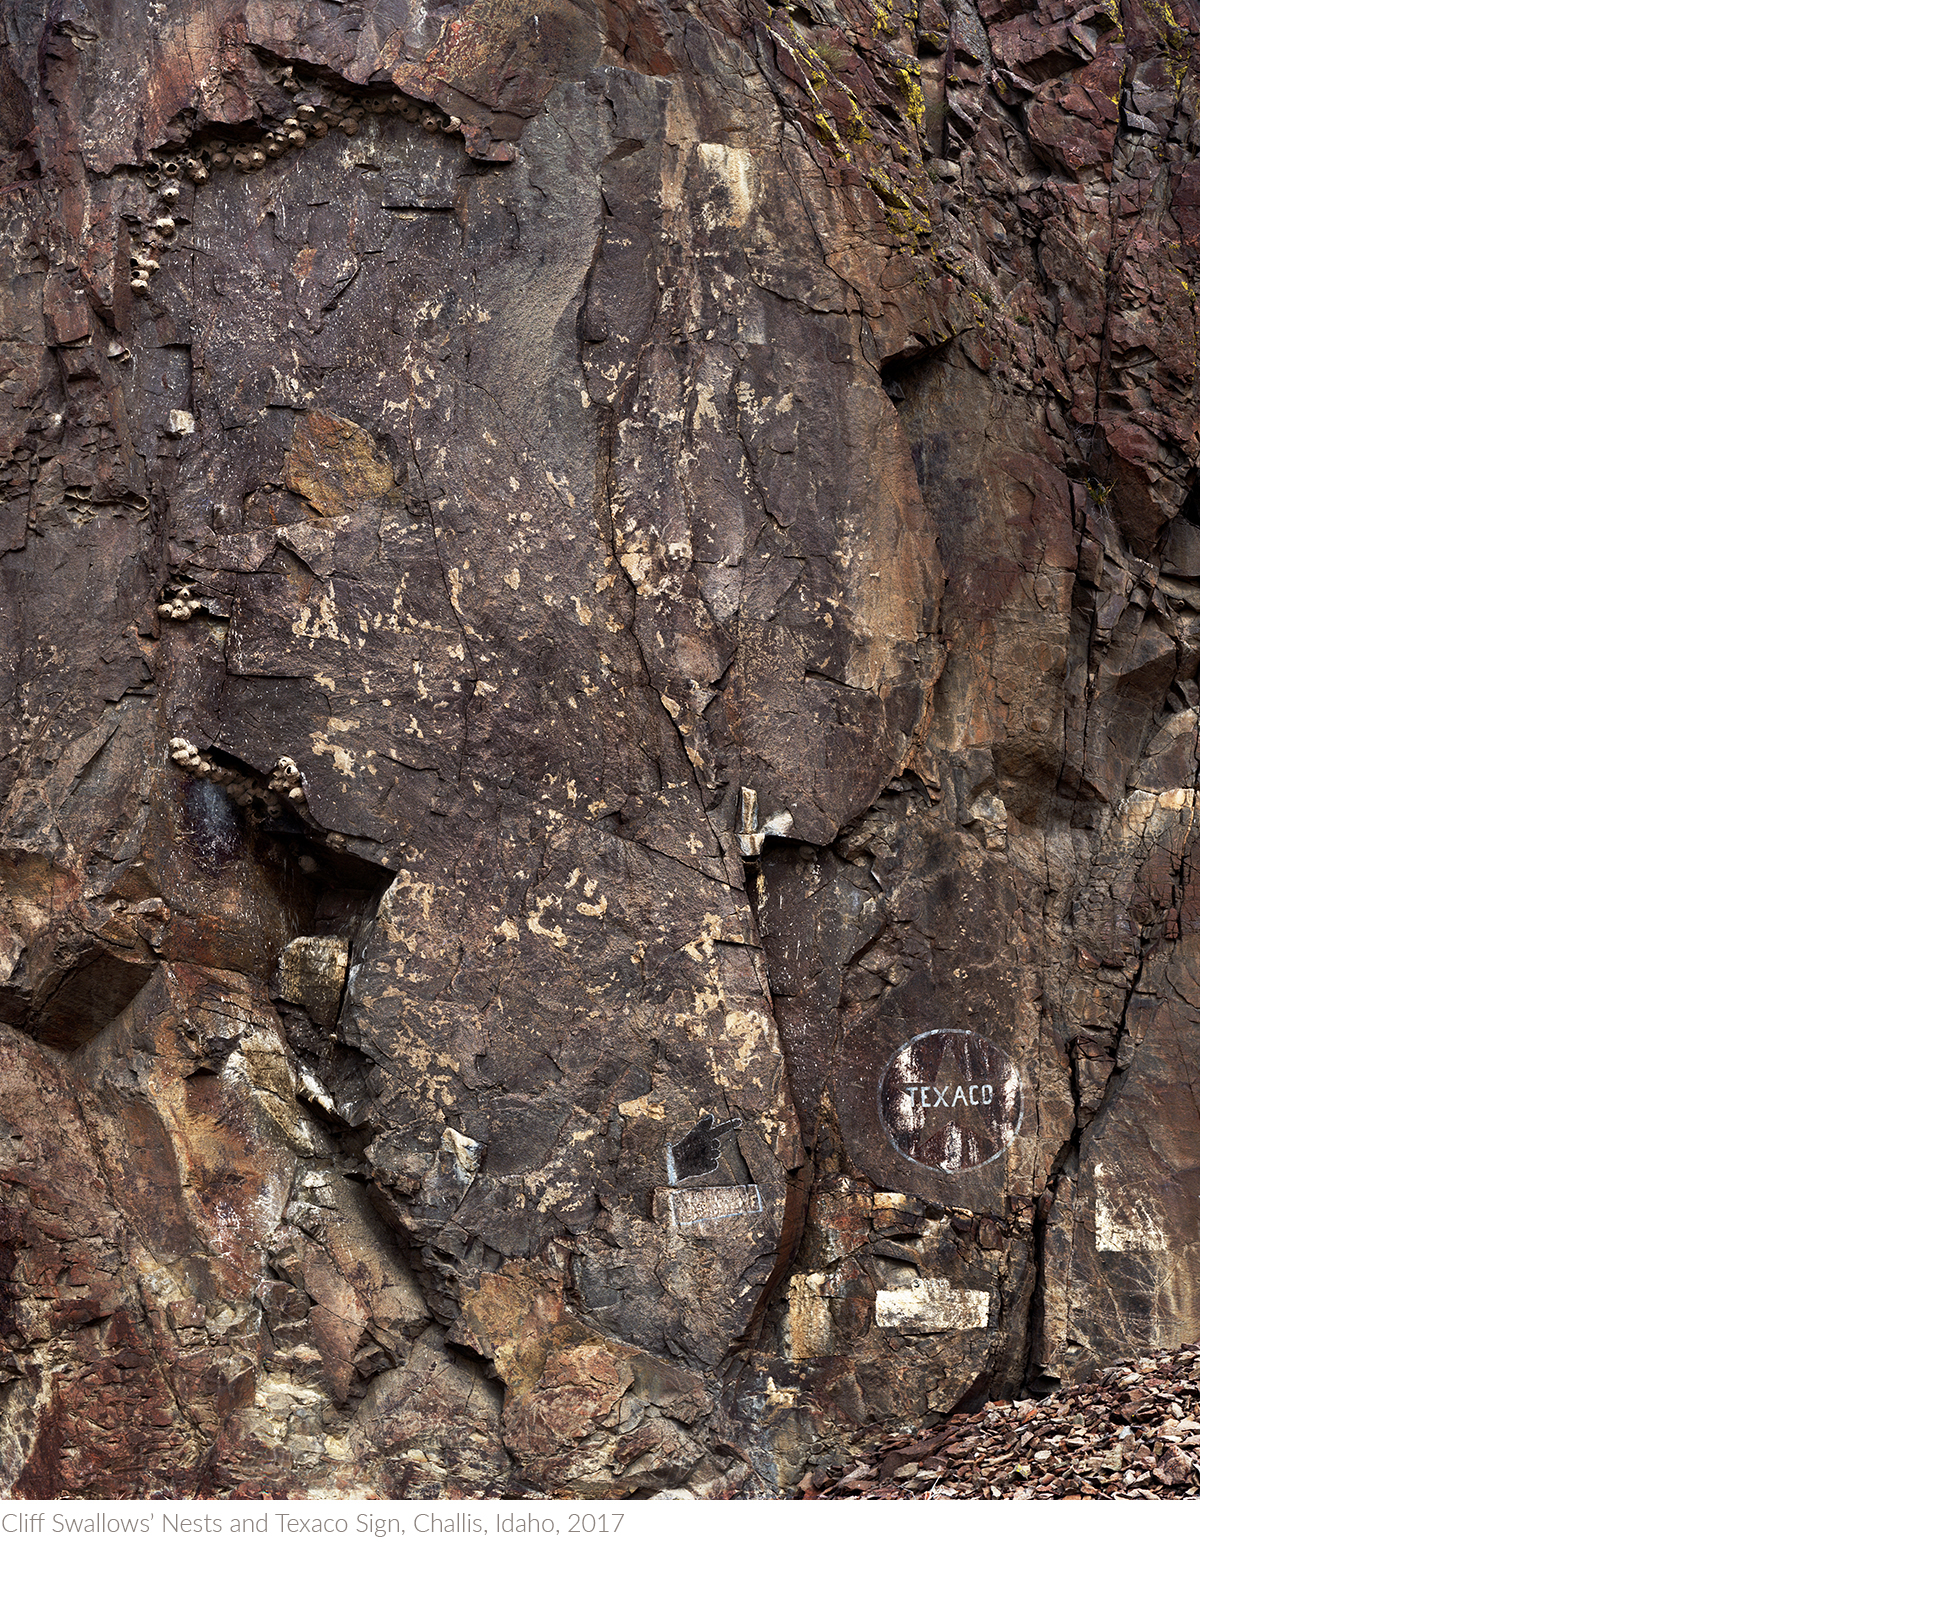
[(1590, 950)]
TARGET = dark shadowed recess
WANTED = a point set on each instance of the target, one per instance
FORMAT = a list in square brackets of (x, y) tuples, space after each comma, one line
[(322, 890)]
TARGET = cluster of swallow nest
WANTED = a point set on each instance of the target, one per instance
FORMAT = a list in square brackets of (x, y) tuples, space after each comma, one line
[(316, 111), (286, 786), (1130, 1433)]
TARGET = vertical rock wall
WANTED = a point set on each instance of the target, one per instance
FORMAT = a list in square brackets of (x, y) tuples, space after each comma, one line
[(599, 614)]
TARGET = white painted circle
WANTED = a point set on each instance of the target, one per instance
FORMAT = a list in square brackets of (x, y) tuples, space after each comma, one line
[(950, 1100)]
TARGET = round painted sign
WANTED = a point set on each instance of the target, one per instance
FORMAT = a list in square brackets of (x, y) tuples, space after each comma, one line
[(950, 1100)]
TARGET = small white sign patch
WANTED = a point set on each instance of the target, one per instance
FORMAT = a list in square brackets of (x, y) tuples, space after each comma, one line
[(692, 1207), (931, 1305), (1126, 1223)]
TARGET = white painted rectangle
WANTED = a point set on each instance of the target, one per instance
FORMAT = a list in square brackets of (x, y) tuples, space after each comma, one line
[(931, 1305), (1126, 1222), (692, 1207)]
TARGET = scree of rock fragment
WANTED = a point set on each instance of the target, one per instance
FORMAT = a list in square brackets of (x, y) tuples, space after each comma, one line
[(599, 617), (1131, 1433)]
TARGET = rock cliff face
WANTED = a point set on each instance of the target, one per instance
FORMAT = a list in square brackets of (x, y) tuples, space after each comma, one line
[(599, 618)]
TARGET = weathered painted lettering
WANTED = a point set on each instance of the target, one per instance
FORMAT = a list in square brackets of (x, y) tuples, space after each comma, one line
[(950, 1100)]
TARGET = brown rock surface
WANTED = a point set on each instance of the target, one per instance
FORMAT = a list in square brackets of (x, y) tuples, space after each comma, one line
[(598, 825)]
